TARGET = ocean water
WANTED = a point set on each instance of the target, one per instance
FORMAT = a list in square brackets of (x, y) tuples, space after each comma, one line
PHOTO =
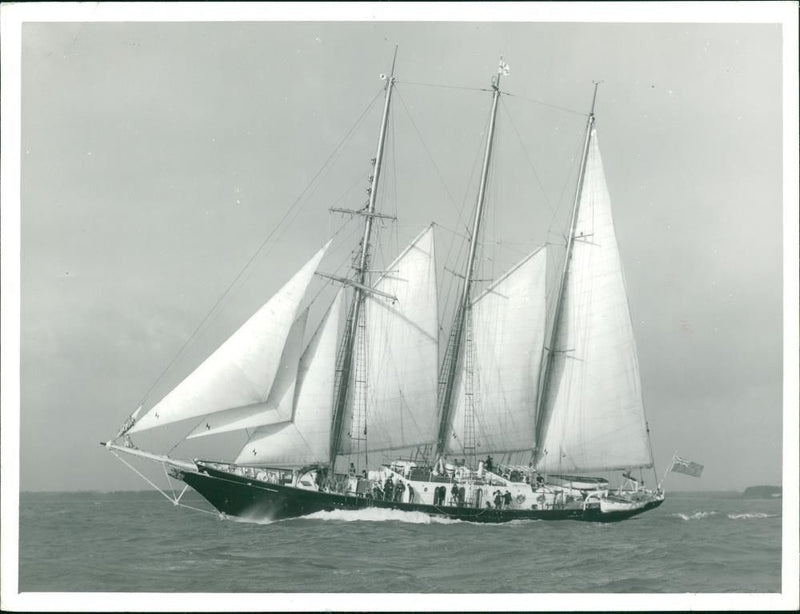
[(138, 541)]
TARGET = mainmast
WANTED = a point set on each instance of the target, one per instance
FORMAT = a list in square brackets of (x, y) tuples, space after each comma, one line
[(455, 350), (542, 418), (360, 286)]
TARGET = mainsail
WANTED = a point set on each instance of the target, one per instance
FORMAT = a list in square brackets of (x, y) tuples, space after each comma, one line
[(240, 372), (592, 410), (306, 439), (401, 356), (508, 328)]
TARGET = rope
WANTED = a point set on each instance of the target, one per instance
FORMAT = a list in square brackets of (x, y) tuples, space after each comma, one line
[(449, 87), (546, 104), (527, 156), (175, 501), (141, 475), (427, 151), (238, 276)]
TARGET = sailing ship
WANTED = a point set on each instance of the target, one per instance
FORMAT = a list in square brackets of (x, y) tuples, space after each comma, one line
[(561, 389)]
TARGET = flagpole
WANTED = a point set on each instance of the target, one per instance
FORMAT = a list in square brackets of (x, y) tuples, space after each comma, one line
[(669, 468)]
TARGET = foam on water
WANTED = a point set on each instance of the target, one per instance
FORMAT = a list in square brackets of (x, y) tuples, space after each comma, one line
[(375, 514), (695, 515), (248, 520), (699, 515)]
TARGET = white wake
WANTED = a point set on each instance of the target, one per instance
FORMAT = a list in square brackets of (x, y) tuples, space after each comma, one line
[(375, 514), (695, 515), (751, 516)]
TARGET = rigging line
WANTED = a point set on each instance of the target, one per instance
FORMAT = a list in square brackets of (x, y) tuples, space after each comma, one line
[(349, 189), (197, 509), (337, 268), (527, 155), (450, 230), (442, 85), (561, 196), (463, 248), (260, 248), (141, 475), (546, 104), (427, 151)]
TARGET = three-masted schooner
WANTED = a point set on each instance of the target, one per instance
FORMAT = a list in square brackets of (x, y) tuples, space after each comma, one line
[(369, 381)]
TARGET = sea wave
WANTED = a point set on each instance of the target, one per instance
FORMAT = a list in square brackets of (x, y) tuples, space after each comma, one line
[(695, 515), (375, 514), (751, 516)]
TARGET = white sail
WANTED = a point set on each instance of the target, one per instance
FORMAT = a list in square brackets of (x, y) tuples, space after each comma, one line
[(594, 414), (401, 355), (241, 371), (508, 328), (278, 406), (306, 439)]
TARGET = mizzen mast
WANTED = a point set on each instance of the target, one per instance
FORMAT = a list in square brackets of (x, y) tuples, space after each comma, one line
[(345, 370), (455, 349)]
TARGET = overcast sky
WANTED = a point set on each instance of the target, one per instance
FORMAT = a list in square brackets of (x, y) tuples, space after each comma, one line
[(156, 158)]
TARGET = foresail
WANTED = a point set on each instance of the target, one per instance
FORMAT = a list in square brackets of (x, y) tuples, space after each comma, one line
[(508, 329), (241, 371), (278, 406), (306, 439), (402, 352), (593, 411)]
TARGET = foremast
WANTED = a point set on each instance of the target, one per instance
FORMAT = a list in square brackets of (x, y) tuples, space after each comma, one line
[(455, 347), (542, 416), (360, 287)]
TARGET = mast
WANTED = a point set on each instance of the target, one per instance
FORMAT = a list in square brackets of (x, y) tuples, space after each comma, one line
[(542, 420), (359, 294), (455, 346)]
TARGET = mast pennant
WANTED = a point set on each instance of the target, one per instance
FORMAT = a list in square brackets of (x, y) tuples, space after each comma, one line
[(241, 371)]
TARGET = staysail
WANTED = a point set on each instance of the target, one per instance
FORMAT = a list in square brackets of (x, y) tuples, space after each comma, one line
[(277, 407), (306, 439), (241, 371), (508, 329), (592, 411), (401, 356)]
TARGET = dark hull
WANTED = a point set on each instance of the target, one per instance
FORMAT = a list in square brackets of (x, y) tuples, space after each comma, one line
[(235, 495)]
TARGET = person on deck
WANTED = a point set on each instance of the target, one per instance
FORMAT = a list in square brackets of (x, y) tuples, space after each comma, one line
[(489, 463), (454, 495), (507, 499), (388, 489), (498, 500), (399, 490)]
